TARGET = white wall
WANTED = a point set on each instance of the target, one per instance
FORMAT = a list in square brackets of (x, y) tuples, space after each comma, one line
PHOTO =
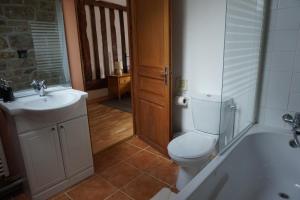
[(198, 44), (281, 85)]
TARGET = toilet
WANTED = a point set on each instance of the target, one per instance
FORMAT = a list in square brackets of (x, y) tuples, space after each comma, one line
[(194, 149)]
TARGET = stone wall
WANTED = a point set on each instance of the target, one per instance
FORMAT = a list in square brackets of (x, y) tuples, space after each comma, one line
[(15, 35)]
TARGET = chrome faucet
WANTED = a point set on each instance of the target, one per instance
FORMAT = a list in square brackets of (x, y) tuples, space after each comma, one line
[(39, 87), (295, 123)]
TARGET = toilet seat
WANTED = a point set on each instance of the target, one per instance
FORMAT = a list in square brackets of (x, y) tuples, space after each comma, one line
[(192, 145)]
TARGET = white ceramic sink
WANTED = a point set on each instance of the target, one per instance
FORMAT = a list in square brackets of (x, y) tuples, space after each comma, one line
[(52, 101)]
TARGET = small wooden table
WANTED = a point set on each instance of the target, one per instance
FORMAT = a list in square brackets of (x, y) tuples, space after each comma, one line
[(119, 84)]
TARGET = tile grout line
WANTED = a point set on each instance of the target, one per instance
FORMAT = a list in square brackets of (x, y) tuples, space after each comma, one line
[(115, 192), (98, 175), (147, 173), (131, 181), (138, 174), (124, 186), (122, 160), (68, 196), (72, 187), (158, 179), (127, 195)]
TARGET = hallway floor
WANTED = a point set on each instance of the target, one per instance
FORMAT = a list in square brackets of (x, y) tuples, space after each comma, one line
[(129, 170), (108, 126)]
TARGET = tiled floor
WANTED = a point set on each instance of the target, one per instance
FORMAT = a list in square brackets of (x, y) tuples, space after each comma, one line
[(128, 171)]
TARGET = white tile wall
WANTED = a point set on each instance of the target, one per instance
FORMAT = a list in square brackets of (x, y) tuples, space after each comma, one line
[(281, 84), (288, 18), (274, 4), (278, 89), (297, 62), (280, 61), (284, 40), (287, 3)]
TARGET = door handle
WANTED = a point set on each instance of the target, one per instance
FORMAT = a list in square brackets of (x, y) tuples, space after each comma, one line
[(165, 75)]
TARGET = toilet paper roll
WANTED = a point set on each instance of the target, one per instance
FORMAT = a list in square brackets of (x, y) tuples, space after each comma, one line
[(181, 101)]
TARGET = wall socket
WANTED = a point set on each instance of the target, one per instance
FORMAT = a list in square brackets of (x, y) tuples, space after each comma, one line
[(181, 85)]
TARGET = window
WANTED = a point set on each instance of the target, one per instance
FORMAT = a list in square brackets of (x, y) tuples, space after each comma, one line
[(32, 43)]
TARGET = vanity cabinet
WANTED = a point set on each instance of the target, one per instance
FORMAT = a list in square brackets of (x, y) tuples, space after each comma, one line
[(43, 158), (54, 146), (62, 150), (75, 145)]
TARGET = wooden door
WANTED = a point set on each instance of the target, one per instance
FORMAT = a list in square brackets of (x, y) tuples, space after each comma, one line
[(150, 21), (76, 145), (43, 159)]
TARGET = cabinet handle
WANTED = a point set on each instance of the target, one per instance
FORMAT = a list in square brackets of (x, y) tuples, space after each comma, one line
[(62, 127), (52, 129)]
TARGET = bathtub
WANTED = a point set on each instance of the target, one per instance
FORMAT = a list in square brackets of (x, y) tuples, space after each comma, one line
[(261, 165)]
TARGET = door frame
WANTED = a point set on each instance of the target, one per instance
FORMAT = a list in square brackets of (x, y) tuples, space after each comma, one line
[(78, 28), (130, 39)]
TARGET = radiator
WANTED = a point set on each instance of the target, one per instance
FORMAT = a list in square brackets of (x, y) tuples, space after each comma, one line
[(3, 164)]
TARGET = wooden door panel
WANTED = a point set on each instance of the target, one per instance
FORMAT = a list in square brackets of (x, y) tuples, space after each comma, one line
[(151, 71), (151, 85), (152, 121), (152, 99), (150, 25)]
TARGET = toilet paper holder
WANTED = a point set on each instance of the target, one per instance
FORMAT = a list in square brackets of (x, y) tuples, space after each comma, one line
[(182, 101)]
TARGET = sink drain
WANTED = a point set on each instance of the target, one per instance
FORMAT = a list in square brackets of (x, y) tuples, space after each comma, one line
[(283, 195)]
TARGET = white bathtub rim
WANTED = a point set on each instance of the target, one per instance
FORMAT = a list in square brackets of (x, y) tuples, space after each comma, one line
[(213, 164)]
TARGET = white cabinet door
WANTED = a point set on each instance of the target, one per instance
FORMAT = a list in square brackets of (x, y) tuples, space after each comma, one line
[(76, 145), (43, 159)]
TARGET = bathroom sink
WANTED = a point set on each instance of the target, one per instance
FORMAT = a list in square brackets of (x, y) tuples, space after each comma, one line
[(35, 112), (56, 101), (51, 102)]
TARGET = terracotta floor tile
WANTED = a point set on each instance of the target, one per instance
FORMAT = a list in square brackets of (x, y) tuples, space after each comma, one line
[(92, 189), (120, 174), (119, 196), (113, 155), (104, 160), (143, 187), (152, 150), (166, 171), (137, 142), (125, 150), (60, 197), (143, 160)]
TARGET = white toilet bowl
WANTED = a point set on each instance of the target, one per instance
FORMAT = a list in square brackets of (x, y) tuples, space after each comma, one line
[(191, 152)]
